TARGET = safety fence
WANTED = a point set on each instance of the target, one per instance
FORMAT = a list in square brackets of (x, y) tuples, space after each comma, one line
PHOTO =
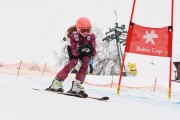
[(152, 88), (25, 68), (34, 69), (112, 82)]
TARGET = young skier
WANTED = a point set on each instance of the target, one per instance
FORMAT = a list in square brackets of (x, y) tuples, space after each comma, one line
[(82, 47)]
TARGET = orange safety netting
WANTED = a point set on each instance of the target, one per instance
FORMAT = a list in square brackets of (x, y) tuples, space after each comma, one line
[(33, 69), (25, 68)]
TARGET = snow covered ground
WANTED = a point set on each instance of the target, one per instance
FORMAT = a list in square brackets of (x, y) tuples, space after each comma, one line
[(29, 27), (20, 102)]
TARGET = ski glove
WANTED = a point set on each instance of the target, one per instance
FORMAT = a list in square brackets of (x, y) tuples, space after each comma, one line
[(89, 46), (89, 49), (80, 48), (85, 49)]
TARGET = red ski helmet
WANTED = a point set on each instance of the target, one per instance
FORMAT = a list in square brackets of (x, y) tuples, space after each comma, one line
[(83, 23)]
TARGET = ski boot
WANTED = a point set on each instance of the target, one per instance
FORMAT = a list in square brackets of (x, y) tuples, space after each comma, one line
[(56, 86), (78, 89)]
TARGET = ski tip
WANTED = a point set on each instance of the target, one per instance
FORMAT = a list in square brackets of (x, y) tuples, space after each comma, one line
[(36, 89), (47, 89), (105, 98)]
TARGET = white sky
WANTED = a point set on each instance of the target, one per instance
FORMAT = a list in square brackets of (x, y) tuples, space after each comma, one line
[(32, 29)]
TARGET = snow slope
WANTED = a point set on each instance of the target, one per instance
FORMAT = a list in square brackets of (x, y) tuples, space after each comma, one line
[(19, 102)]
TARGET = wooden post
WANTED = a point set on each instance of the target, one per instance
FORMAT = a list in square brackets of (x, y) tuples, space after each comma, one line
[(112, 82), (155, 84), (44, 69), (19, 68)]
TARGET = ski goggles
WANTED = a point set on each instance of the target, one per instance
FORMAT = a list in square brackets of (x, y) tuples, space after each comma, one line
[(85, 30)]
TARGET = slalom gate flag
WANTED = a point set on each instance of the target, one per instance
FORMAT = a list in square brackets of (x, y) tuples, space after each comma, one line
[(148, 41)]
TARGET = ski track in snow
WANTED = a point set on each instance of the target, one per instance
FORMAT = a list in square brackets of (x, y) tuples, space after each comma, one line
[(20, 102)]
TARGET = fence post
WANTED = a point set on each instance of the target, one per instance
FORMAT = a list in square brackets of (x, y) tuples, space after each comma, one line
[(19, 68), (112, 82), (44, 69), (155, 84)]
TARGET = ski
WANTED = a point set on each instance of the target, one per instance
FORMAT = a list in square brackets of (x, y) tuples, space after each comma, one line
[(104, 98)]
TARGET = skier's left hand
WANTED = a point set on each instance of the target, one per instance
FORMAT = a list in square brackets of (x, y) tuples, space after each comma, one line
[(89, 49), (89, 46)]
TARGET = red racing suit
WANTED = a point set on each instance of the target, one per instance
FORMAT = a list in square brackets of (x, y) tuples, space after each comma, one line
[(75, 41)]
